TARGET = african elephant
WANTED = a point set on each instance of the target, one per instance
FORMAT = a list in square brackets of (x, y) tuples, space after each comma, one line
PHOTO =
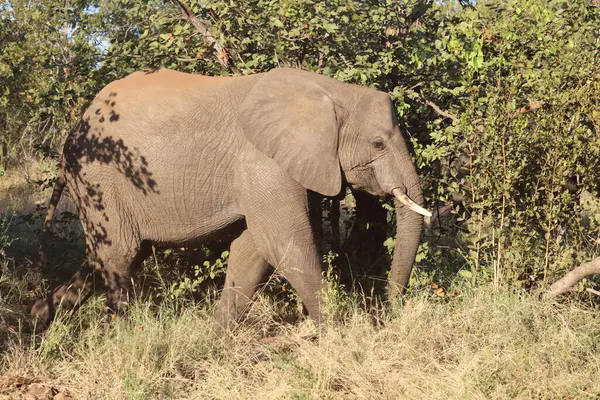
[(170, 159)]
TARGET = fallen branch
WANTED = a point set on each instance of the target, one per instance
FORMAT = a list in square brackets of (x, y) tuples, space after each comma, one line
[(592, 291), (569, 280), (203, 27)]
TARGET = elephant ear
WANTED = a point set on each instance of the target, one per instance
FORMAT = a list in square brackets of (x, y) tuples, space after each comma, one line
[(288, 117)]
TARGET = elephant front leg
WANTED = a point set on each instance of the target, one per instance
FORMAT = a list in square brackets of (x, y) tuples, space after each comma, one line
[(247, 270), (280, 228), (298, 261)]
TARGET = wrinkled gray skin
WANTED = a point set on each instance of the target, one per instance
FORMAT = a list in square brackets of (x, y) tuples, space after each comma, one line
[(170, 159)]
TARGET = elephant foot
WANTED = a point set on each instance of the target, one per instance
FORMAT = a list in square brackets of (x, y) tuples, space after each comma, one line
[(218, 330), (117, 304), (42, 314), (66, 297), (224, 321)]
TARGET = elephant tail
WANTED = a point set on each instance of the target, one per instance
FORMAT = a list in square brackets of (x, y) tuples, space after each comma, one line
[(59, 185)]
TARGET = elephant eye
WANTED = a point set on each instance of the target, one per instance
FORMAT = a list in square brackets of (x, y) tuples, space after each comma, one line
[(379, 144)]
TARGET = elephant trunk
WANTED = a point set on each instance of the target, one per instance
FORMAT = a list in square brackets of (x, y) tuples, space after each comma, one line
[(409, 225)]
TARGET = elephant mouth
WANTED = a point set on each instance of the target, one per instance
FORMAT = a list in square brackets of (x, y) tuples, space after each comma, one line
[(404, 199)]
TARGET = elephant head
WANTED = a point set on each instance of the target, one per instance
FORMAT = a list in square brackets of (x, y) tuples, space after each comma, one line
[(325, 134)]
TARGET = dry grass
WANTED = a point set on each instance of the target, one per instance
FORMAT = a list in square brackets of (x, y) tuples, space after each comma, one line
[(483, 345), (18, 192)]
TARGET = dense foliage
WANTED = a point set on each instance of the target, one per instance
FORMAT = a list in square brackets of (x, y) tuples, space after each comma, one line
[(500, 100)]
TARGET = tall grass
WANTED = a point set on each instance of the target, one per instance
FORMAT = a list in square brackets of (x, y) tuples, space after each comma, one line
[(482, 344)]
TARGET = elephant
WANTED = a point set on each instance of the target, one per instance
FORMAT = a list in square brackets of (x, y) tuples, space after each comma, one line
[(164, 158)]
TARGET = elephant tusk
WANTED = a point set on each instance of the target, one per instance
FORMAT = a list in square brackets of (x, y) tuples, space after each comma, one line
[(404, 199)]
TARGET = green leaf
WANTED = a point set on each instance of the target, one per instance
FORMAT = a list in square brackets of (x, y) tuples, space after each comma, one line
[(330, 27), (465, 274)]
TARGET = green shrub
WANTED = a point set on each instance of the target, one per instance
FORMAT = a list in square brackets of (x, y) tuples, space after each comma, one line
[(519, 79)]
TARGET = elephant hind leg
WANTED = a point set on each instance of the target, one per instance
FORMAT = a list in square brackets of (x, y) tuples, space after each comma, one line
[(247, 270), (69, 296), (114, 263), (117, 265)]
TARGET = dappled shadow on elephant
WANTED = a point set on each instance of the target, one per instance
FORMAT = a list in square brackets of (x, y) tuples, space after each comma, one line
[(95, 144), (90, 147)]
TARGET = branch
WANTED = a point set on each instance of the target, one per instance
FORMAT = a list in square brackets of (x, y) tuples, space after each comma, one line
[(569, 280), (203, 27), (528, 108), (440, 111), (417, 12)]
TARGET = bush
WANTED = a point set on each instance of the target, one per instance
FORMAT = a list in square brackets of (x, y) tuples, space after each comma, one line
[(520, 148)]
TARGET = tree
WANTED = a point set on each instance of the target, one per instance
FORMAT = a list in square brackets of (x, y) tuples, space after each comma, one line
[(47, 71)]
